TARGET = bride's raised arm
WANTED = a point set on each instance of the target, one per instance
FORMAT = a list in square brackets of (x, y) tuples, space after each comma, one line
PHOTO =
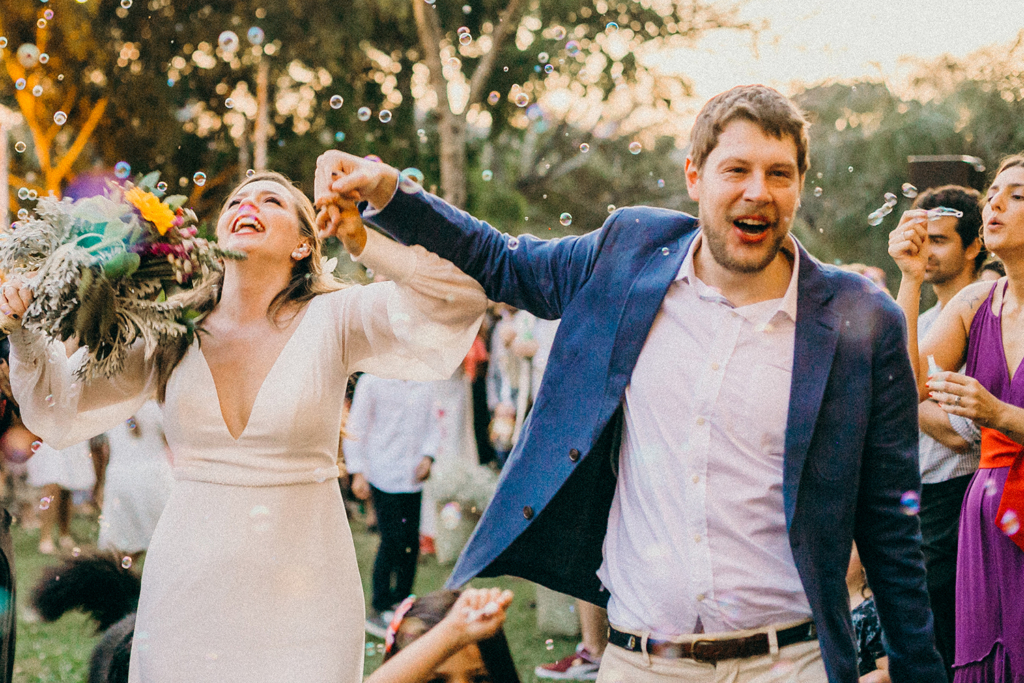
[(418, 325), (62, 410)]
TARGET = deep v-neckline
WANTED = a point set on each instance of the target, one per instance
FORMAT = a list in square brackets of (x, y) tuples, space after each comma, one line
[(1002, 345), (259, 392)]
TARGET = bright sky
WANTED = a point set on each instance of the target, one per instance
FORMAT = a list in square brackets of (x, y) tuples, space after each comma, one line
[(811, 41)]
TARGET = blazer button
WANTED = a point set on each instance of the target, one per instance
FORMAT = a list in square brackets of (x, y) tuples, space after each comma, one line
[(574, 455), (528, 512)]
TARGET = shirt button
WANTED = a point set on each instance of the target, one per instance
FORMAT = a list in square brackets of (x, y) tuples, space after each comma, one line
[(700, 421), (696, 479), (574, 455), (696, 538), (528, 512), (714, 366)]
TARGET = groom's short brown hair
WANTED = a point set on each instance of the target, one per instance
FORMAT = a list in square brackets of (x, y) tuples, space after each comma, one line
[(768, 108)]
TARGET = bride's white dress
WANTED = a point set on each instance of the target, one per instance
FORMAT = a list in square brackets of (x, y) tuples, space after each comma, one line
[(251, 575)]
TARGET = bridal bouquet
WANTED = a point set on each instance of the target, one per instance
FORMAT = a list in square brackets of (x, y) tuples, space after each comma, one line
[(102, 270)]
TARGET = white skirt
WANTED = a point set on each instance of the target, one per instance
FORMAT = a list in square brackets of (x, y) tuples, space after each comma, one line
[(254, 584)]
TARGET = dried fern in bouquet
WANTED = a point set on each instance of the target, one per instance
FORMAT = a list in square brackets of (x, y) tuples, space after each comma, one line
[(105, 270)]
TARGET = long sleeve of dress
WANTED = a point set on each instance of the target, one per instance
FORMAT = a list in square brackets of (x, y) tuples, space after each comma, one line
[(62, 410), (418, 326)]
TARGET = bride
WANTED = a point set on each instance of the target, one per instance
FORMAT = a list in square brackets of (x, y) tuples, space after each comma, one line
[(251, 574)]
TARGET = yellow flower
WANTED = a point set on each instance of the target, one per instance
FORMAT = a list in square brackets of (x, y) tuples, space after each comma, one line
[(151, 209)]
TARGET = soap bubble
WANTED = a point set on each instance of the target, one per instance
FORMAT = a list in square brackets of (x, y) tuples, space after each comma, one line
[(44, 502), (199, 178), (661, 182), (549, 644), (229, 103), (493, 98), (19, 84), (543, 58), (1009, 523), (384, 116), (23, 214), (513, 243), (573, 48), (875, 218), (228, 41), (127, 4), (337, 101), (611, 208), (466, 9), (850, 169), (48, 14), (3, 42), (250, 173), (565, 219), (44, 58), (522, 99), (363, 114), (126, 562), (558, 32), (41, 23), (374, 158), (255, 35), (611, 27), (20, 146), (33, 195), (122, 169), (339, 137), (910, 503), (818, 191), (549, 68), (890, 199), (465, 39), (28, 55), (60, 118), (161, 186), (487, 175), (37, 91), (410, 181), (23, 193), (635, 147), (584, 147), (429, 2), (908, 190), (451, 515)]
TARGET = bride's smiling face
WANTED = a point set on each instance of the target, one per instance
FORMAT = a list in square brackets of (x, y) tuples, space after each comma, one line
[(260, 218)]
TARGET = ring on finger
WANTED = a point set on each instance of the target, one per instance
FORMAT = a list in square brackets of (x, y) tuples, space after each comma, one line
[(957, 401)]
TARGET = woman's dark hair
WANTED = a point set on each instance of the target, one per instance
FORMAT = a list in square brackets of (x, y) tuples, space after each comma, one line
[(428, 611), (307, 279)]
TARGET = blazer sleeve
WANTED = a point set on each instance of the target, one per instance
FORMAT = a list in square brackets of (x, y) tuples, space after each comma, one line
[(537, 275), (887, 529)]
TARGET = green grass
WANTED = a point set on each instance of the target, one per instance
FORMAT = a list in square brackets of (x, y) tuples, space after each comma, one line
[(59, 652)]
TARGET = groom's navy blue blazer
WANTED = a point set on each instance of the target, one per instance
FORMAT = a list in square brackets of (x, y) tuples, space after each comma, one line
[(851, 434)]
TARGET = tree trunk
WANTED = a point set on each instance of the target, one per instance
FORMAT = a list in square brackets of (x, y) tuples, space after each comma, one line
[(453, 159), (259, 136)]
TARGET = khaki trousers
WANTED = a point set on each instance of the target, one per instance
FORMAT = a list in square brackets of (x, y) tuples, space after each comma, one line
[(797, 663)]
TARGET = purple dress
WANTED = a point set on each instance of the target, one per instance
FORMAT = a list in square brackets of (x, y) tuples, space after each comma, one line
[(990, 567)]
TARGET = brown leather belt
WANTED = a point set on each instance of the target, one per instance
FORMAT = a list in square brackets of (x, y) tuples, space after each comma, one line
[(712, 651)]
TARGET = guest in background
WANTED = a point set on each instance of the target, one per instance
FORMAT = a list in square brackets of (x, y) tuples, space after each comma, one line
[(391, 442)]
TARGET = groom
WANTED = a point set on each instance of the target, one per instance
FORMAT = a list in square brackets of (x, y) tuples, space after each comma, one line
[(721, 418)]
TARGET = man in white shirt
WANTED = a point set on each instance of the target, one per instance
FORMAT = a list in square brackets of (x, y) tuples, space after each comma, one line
[(721, 417), (391, 439), (950, 445)]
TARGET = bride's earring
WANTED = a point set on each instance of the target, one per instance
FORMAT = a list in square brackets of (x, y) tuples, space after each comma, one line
[(301, 252)]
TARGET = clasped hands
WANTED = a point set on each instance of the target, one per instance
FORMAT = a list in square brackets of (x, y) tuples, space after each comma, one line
[(342, 181)]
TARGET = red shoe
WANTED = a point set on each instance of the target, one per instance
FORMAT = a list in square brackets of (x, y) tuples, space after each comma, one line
[(581, 666)]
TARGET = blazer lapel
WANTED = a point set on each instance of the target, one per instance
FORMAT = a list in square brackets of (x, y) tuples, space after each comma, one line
[(817, 332), (641, 306)]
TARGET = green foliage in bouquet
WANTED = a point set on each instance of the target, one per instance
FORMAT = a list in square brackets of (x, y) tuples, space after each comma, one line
[(105, 270)]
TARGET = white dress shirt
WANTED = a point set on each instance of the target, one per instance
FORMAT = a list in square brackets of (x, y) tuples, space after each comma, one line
[(391, 425), (697, 538)]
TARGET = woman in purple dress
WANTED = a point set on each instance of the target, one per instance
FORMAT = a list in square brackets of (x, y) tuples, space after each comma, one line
[(984, 327)]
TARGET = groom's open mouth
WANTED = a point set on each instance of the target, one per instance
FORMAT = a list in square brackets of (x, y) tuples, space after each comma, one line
[(752, 229)]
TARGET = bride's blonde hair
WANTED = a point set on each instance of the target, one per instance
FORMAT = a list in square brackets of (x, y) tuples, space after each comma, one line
[(308, 279)]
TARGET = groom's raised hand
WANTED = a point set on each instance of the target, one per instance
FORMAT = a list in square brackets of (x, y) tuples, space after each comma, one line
[(344, 176)]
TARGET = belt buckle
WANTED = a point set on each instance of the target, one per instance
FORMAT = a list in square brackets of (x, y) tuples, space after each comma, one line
[(695, 652)]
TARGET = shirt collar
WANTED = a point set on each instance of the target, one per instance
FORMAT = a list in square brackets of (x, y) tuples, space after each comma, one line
[(787, 304)]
